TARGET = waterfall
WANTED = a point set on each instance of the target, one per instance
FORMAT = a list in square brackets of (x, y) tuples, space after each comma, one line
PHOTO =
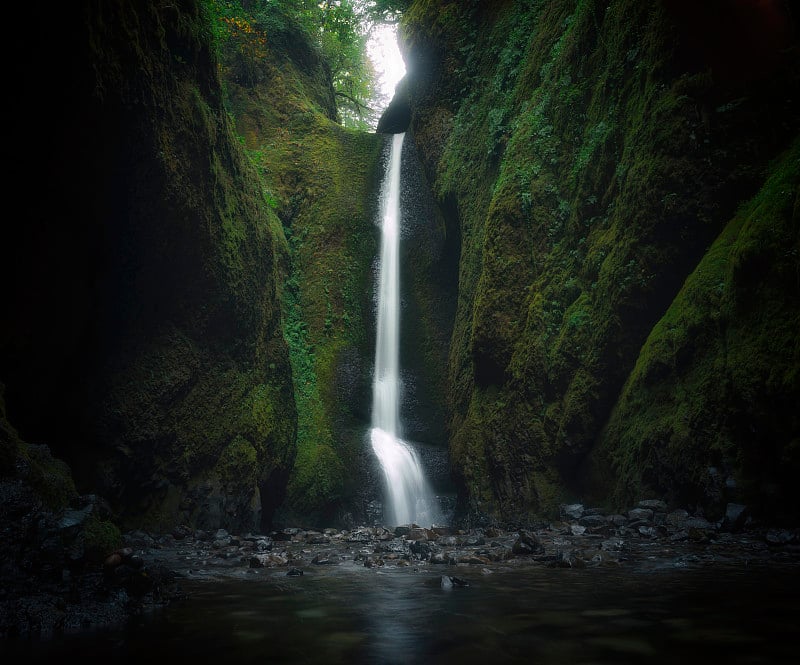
[(409, 498)]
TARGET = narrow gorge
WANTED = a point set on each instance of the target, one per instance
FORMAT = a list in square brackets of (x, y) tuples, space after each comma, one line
[(595, 305)]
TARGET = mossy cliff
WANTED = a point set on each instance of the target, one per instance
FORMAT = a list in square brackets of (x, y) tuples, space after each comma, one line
[(141, 335), (709, 412), (323, 181), (597, 160), (188, 319)]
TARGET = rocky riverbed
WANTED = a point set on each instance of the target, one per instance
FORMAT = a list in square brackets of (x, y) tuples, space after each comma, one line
[(49, 592)]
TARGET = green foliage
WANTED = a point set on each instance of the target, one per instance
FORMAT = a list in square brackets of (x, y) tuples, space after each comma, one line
[(588, 172), (101, 538), (705, 387), (325, 305), (385, 11), (321, 179), (336, 30), (235, 32), (48, 475), (238, 463), (344, 45)]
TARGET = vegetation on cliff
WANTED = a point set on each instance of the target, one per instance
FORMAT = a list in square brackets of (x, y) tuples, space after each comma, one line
[(326, 38), (590, 153), (321, 178), (146, 349), (708, 412), (189, 316), (210, 251)]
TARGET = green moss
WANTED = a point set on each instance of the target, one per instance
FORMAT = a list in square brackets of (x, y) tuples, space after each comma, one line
[(326, 303), (588, 172), (101, 538), (548, 488), (262, 404), (711, 386), (322, 182), (49, 476), (175, 345), (238, 463), (317, 483)]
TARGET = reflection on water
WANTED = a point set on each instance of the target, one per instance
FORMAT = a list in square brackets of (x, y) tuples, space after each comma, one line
[(399, 615)]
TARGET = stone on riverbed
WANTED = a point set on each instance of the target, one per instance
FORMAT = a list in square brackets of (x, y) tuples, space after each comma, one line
[(677, 518), (640, 514), (267, 561), (326, 559), (782, 536), (656, 505), (736, 515), (527, 543), (450, 582), (593, 521), (572, 510)]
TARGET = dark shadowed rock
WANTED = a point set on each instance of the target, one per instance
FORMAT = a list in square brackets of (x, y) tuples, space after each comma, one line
[(736, 515), (593, 521), (677, 518), (572, 510), (450, 582), (640, 514), (782, 536), (326, 559), (397, 116), (527, 543), (656, 505)]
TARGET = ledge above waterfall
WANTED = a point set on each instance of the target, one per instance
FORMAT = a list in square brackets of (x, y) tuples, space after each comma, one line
[(397, 116)]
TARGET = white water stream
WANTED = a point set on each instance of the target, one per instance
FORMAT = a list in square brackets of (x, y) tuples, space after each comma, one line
[(409, 498)]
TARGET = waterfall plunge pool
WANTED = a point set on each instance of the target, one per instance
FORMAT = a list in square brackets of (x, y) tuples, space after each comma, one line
[(727, 613)]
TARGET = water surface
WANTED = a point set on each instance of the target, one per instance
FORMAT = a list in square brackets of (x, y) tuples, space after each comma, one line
[(658, 614)]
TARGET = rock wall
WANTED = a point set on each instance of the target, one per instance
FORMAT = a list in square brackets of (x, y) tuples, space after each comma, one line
[(141, 334), (428, 284), (322, 180), (601, 162)]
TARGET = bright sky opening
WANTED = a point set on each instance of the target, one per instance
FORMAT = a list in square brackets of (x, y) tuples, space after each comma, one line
[(384, 52)]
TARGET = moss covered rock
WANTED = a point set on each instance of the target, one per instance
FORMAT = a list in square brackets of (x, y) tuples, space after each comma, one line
[(322, 181), (146, 341), (589, 153), (708, 414)]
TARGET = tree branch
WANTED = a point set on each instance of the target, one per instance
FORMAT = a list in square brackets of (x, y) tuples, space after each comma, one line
[(359, 105)]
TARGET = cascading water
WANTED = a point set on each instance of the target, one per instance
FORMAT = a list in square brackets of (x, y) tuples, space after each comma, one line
[(409, 499)]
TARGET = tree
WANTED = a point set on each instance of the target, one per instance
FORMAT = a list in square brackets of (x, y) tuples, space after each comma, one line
[(344, 45), (338, 28), (385, 11)]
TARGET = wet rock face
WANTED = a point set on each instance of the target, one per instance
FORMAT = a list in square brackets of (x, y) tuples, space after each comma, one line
[(397, 116), (582, 217), (56, 572), (428, 282), (168, 345)]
